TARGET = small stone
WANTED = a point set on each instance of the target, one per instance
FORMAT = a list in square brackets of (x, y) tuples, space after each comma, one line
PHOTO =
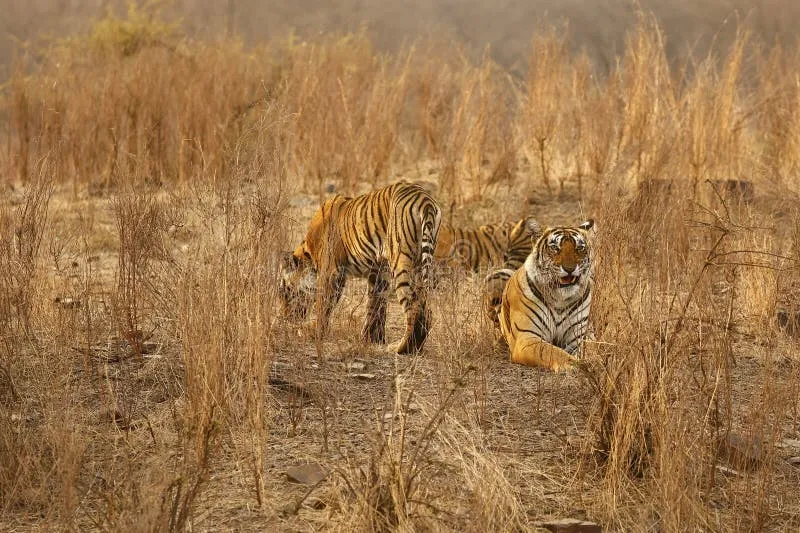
[(158, 396), (307, 474), (281, 366), (150, 349), (725, 471), (571, 525), (790, 443), (67, 303), (316, 504), (794, 461), (364, 377), (116, 417), (356, 366), (742, 452)]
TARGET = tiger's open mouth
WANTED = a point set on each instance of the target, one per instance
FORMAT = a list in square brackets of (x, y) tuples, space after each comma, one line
[(566, 281)]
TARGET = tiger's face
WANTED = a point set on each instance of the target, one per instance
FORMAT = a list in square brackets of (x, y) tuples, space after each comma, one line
[(298, 283), (562, 260), (298, 275)]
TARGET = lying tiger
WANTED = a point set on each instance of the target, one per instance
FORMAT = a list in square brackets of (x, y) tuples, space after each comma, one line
[(390, 231), (544, 309), (490, 245)]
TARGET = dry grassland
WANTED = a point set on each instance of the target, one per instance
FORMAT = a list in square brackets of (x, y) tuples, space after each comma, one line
[(149, 382)]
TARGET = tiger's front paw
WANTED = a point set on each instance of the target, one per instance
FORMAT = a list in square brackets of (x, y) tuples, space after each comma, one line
[(569, 365)]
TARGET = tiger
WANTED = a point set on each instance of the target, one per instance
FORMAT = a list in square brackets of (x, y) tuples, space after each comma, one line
[(522, 239), (490, 245), (544, 311), (391, 231)]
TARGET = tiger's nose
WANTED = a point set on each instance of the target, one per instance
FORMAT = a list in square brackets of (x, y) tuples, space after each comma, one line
[(570, 270)]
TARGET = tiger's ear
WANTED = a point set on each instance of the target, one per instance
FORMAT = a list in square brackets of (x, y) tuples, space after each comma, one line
[(588, 225), (533, 228)]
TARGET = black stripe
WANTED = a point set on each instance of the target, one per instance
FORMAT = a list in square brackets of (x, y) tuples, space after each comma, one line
[(532, 332), (573, 309), (533, 311), (533, 287)]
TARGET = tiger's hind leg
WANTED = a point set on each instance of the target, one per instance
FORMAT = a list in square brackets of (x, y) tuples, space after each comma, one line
[(375, 325), (411, 252), (410, 294)]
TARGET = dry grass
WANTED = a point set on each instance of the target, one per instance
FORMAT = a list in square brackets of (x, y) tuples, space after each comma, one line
[(147, 381)]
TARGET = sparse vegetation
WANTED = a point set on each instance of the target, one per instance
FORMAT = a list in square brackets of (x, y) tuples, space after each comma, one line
[(148, 382)]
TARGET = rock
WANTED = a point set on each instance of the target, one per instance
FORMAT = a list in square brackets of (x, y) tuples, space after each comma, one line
[(281, 366), (794, 461), (116, 417), (316, 504), (791, 443), (741, 451), (158, 396), (725, 471), (356, 366), (67, 303), (570, 525), (150, 349), (364, 377), (738, 190), (307, 474)]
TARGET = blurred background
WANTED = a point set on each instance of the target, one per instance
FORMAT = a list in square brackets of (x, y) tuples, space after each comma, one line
[(598, 26)]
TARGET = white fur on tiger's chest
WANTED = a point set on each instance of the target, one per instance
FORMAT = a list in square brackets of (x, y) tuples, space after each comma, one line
[(562, 313)]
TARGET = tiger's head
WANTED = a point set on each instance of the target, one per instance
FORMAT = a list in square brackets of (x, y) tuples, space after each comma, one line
[(298, 269), (560, 263), (298, 283)]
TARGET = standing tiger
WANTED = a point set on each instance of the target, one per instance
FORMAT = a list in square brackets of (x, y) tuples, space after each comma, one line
[(485, 246), (544, 312), (390, 230)]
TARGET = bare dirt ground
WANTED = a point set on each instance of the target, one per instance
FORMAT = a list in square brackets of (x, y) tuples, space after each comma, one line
[(353, 407)]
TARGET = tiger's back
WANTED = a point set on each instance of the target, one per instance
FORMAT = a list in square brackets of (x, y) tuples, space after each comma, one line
[(401, 218), (486, 246)]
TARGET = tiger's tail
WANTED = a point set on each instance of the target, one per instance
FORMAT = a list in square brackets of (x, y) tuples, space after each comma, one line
[(494, 284), (431, 220)]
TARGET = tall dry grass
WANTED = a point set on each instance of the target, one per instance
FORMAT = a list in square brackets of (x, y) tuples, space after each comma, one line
[(199, 154)]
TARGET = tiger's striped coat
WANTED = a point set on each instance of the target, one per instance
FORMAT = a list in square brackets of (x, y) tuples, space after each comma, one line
[(389, 231), (544, 311), (490, 245)]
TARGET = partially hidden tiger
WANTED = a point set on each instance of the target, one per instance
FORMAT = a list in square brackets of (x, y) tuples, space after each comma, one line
[(523, 234), (544, 308), (490, 245), (388, 233)]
